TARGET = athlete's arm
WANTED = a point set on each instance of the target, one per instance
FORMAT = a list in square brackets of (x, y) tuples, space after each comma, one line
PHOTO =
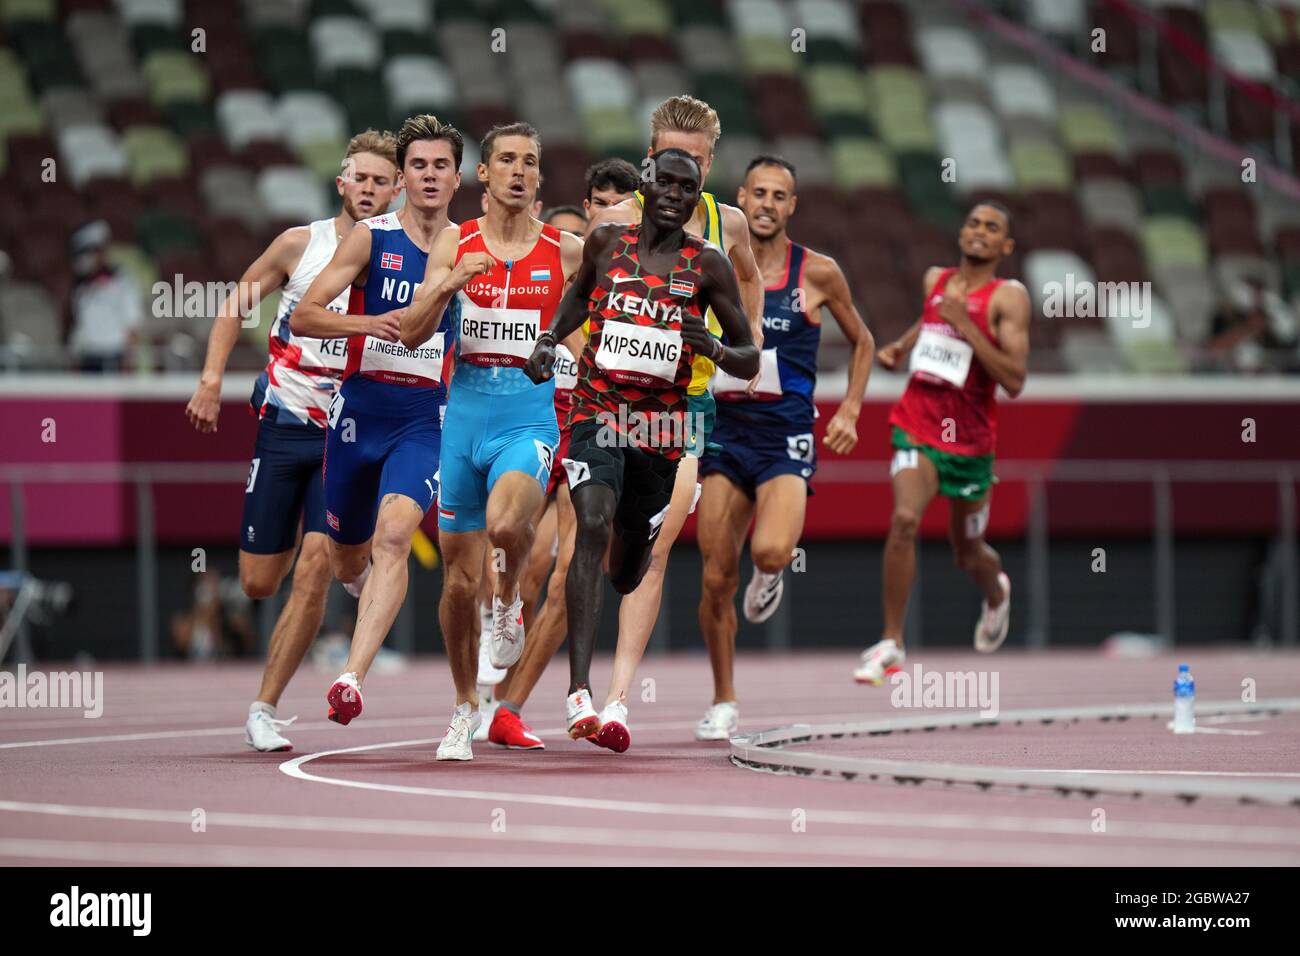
[(311, 317), (624, 213), (571, 261), (1006, 360), (443, 278), (891, 355), (720, 293), (266, 274), (735, 231), (572, 310), (827, 281)]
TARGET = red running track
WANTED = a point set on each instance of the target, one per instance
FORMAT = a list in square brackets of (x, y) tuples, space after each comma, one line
[(125, 788)]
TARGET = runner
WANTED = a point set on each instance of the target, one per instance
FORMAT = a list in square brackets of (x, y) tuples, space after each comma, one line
[(609, 181), (684, 122), (973, 335), (384, 432), (507, 272), (291, 399), (768, 457), (646, 287)]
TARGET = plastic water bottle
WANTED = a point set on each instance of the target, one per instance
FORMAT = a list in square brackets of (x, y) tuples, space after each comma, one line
[(1184, 701)]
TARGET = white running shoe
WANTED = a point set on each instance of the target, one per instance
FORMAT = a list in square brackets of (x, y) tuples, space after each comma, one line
[(456, 743), (582, 717), (991, 629), (488, 676), (262, 732), (354, 587), (507, 643), (878, 660), (613, 734), (487, 707), (763, 596), (720, 722)]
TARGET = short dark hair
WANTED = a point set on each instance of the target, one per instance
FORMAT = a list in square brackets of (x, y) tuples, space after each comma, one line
[(549, 214), (994, 204), (508, 129), (676, 153), (616, 174), (428, 126), (770, 159)]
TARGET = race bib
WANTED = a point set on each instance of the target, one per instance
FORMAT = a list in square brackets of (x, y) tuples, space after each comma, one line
[(638, 355), (943, 357), (566, 372), (729, 388), (394, 362), (497, 337)]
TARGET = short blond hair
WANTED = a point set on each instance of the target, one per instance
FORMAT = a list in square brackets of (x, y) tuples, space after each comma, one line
[(372, 141), (685, 114)]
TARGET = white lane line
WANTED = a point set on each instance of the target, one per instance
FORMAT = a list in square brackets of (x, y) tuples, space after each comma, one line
[(801, 845), (1007, 824), (1173, 773)]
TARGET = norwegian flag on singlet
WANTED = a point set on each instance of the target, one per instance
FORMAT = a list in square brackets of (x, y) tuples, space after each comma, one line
[(390, 260)]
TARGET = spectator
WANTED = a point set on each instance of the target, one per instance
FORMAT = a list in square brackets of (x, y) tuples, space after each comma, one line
[(217, 625), (1254, 331), (107, 306)]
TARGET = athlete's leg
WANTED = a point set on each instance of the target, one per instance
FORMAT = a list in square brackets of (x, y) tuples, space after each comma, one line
[(538, 566), (594, 506), (967, 523), (724, 514), (778, 521), (638, 611), (552, 621), (300, 620), (348, 561), (915, 482), (462, 556), (385, 589), (515, 498), (260, 575)]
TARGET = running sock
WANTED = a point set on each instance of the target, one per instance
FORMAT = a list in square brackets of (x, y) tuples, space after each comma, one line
[(354, 587), (261, 706), (513, 708), (463, 709)]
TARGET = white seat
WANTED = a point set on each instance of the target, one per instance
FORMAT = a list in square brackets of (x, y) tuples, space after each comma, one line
[(418, 81), (982, 166), (1022, 90), (966, 126), (1190, 294), (413, 15), (757, 18), (247, 115), (1111, 202), (1061, 18), (309, 117), (138, 12), (292, 192), (947, 52), (1049, 276), (1244, 53), (89, 150), (598, 83), (345, 41), (828, 19)]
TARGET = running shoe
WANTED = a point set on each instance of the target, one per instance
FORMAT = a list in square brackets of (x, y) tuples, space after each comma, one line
[(583, 721), (991, 629), (354, 587), (344, 699), (720, 722), (488, 676), (763, 596), (613, 734), (509, 730), (456, 742), (507, 643), (488, 708), (262, 732), (878, 661)]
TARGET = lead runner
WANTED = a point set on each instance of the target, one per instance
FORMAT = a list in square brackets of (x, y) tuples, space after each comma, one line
[(973, 335)]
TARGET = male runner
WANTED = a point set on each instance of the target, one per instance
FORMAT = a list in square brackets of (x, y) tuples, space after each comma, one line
[(609, 182), (646, 288), (973, 335), (506, 271), (384, 431), (290, 400), (684, 122), (768, 458)]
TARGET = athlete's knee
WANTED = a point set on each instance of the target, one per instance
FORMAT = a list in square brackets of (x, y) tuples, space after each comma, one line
[(312, 573), (631, 568), (904, 523), (969, 555), (505, 532), (261, 579), (459, 585), (593, 532), (720, 581), (770, 557)]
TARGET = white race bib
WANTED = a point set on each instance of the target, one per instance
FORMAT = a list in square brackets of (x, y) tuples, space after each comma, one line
[(944, 357), (394, 362), (497, 337), (729, 388), (566, 371), (639, 355)]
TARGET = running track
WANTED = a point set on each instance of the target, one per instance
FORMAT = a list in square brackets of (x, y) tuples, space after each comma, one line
[(123, 789)]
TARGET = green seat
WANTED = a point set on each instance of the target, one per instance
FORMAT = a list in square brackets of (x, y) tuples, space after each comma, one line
[(334, 8), (1231, 15), (1169, 199), (322, 157), (1291, 279), (767, 54), (1173, 240), (727, 95), (829, 51), (21, 119), (176, 75), (836, 88), (906, 131), (920, 174), (1088, 129), (858, 163), (513, 11), (187, 117), (404, 43), (837, 125), (18, 11), (1041, 165), (148, 37), (609, 129), (640, 16), (152, 151), (362, 95), (696, 14), (159, 232), (138, 263)]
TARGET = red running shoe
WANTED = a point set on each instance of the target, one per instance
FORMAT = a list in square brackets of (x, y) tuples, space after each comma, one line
[(509, 730), (344, 699)]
